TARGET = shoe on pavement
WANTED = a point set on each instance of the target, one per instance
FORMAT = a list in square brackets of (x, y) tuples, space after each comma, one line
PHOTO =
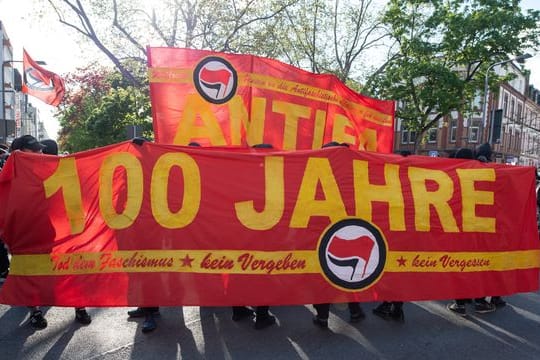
[(383, 310), (264, 322), (37, 321), (240, 313), (82, 317), (498, 301), (357, 316), (457, 309), (483, 307), (140, 312), (397, 314), (322, 323), (149, 324)]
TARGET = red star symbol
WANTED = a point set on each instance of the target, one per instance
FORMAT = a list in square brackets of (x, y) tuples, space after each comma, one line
[(186, 261), (401, 261)]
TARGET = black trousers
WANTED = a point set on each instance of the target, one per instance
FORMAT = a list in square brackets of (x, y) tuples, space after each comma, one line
[(260, 311), (323, 310), (4, 259), (150, 310)]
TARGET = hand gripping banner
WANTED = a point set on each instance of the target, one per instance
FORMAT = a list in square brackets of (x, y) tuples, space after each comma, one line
[(148, 225), (226, 99)]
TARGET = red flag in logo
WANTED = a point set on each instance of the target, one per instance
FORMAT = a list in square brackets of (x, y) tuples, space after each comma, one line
[(347, 252), (215, 76), (41, 83)]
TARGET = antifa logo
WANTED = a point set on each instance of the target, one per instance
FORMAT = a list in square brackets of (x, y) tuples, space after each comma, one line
[(215, 79), (352, 254), (35, 80)]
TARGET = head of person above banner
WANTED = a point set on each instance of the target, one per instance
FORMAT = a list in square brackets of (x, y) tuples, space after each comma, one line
[(221, 99), (223, 226)]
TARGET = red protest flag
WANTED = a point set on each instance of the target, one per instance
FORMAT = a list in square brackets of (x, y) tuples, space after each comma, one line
[(41, 83), (217, 99)]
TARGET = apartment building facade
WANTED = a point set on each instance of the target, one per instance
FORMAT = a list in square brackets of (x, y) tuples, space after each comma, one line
[(18, 116), (512, 124)]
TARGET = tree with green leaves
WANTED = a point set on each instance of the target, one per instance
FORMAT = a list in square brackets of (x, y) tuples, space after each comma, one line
[(98, 107), (442, 50), (121, 29), (317, 35)]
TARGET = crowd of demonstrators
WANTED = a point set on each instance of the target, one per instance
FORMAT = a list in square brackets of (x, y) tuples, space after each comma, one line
[(262, 319)]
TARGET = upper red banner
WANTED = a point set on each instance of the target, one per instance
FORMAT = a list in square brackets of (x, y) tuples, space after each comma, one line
[(167, 225), (225, 99), (41, 83)]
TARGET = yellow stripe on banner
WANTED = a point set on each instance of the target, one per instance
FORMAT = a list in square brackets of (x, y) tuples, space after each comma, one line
[(170, 75), (266, 82), (415, 261), (259, 262), (192, 261), (313, 93)]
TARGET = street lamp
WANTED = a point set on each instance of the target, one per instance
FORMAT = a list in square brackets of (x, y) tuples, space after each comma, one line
[(519, 59), (3, 91)]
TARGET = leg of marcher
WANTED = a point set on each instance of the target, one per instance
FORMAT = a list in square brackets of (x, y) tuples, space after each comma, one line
[(37, 320), (356, 312), (323, 312), (149, 324), (383, 310), (82, 316), (397, 311), (458, 307), (481, 306), (263, 319), (4, 261), (241, 312)]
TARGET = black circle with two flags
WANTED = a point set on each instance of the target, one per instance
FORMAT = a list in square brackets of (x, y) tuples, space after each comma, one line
[(352, 254), (215, 79)]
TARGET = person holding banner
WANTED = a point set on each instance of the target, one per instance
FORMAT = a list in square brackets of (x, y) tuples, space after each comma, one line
[(392, 310), (4, 258), (149, 313), (28, 143), (323, 310), (481, 306), (50, 147), (263, 319), (483, 154)]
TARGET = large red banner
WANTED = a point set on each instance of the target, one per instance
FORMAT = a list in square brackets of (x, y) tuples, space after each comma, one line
[(165, 225), (226, 99)]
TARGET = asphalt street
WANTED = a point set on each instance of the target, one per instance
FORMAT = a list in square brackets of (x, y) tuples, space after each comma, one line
[(430, 331)]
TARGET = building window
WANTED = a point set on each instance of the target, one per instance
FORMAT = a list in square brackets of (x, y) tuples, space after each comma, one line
[(404, 136), (412, 138), (505, 104), (474, 134), (512, 106), (432, 135), (477, 102), (453, 131), (519, 111)]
